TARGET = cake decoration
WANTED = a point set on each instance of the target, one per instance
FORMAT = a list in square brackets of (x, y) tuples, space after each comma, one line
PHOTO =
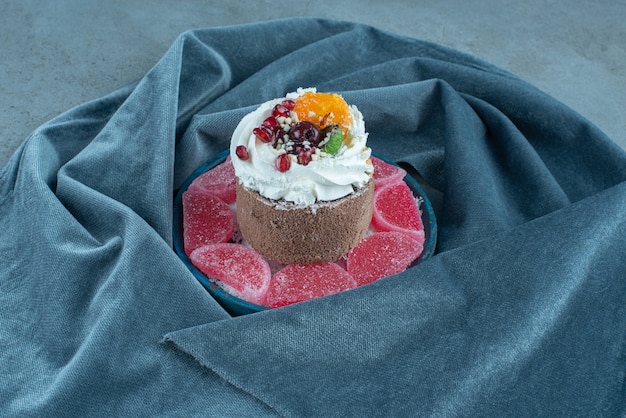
[(309, 127), (303, 148), (313, 212), (304, 177)]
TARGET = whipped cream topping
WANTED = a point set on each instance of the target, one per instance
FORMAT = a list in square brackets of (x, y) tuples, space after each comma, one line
[(325, 178)]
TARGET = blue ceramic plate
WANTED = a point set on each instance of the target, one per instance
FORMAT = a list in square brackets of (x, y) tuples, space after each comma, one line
[(236, 306)]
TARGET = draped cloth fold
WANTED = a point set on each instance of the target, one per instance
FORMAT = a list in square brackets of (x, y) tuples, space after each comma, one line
[(520, 312)]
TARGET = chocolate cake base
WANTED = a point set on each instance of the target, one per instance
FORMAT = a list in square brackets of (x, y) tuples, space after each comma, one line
[(295, 234)]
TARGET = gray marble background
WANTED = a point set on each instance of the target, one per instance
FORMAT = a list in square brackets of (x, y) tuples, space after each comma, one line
[(57, 54)]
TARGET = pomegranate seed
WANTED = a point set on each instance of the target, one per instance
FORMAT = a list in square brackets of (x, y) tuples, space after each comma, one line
[(264, 134), (270, 122), (282, 163), (242, 152), (289, 104), (280, 110)]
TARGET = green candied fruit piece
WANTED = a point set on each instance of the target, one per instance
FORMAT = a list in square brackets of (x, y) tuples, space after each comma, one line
[(335, 141)]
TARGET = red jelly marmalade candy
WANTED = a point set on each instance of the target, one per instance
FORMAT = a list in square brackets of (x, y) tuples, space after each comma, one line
[(395, 209), (385, 173), (242, 272), (220, 181), (382, 254), (300, 282), (207, 219)]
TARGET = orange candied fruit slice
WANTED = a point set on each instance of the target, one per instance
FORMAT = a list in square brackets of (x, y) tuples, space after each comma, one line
[(324, 109)]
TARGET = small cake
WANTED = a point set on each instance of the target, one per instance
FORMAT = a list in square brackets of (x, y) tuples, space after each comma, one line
[(304, 178)]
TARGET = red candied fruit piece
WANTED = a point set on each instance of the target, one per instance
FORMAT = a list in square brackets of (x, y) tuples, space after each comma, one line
[(299, 282), (382, 254), (395, 209), (220, 181), (385, 173), (207, 219), (242, 272)]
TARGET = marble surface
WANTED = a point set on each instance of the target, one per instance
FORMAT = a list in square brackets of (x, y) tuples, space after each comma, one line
[(56, 55)]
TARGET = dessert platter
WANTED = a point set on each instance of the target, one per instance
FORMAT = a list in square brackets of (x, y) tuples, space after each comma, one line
[(299, 208)]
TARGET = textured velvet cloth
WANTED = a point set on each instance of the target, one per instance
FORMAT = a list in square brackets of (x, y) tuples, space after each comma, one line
[(520, 312)]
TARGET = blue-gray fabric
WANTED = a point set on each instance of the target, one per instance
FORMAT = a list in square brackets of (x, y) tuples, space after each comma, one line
[(520, 312)]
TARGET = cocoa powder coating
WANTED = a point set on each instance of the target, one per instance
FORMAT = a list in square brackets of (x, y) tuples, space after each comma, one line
[(295, 234)]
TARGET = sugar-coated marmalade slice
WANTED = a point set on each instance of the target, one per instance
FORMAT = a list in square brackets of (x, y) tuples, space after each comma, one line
[(220, 181), (299, 282), (385, 173), (242, 271), (207, 219), (382, 254), (395, 209)]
